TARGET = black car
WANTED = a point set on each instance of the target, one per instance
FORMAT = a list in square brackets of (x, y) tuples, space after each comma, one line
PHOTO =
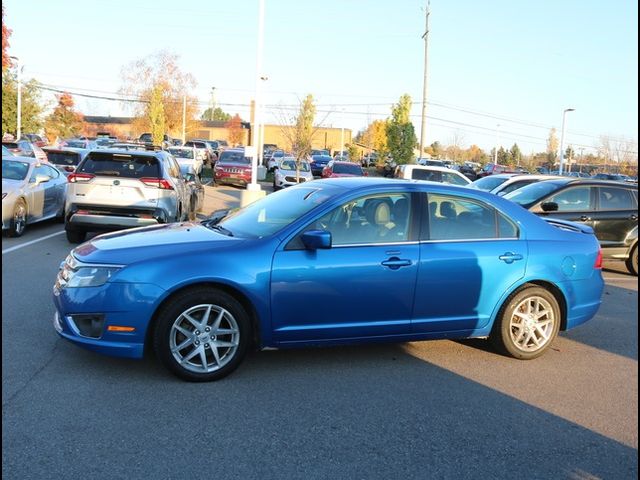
[(609, 207), (318, 162)]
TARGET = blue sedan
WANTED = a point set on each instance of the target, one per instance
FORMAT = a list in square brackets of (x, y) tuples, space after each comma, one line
[(336, 261)]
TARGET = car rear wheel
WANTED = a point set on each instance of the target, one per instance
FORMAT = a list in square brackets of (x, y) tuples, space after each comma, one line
[(527, 324), (76, 236), (632, 261), (202, 334), (18, 221)]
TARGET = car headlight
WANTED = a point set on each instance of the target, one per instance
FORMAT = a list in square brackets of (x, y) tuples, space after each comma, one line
[(90, 276), (3, 195)]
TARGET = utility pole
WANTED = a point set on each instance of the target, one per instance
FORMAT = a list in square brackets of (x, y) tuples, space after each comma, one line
[(212, 103), (564, 116), (423, 127)]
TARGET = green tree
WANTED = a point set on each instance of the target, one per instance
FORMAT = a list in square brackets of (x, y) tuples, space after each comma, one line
[(156, 115), (216, 114), (515, 155), (63, 122), (503, 156), (353, 151), (401, 135), (32, 108), (435, 149)]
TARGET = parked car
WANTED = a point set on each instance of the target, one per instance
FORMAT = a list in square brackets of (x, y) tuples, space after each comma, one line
[(494, 168), (188, 157), (273, 160), (167, 141), (233, 167), (6, 152), (316, 151), (32, 191), (610, 208), (503, 183), (318, 162), (39, 140), (610, 176), (285, 173), (200, 295), (337, 168), (84, 143), (25, 148), (430, 162), (66, 158), (113, 189), (203, 149), (195, 190), (469, 171), (434, 174), (370, 159)]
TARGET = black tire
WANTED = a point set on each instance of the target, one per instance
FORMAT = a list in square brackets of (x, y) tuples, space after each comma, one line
[(632, 261), (230, 348), (76, 236), (18, 222), (509, 326)]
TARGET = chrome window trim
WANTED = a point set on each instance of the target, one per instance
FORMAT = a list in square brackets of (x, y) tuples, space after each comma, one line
[(374, 244), (465, 240)]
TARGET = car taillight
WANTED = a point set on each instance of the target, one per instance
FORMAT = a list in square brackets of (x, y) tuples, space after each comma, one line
[(598, 264), (160, 183), (79, 177)]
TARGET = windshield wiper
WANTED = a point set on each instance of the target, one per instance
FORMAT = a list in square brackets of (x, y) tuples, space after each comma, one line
[(220, 229)]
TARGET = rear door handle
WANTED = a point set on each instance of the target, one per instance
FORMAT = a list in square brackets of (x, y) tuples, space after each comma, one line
[(395, 263), (633, 217), (585, 218), (510, 257)]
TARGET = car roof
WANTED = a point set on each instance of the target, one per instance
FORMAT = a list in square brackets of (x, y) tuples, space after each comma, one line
[(66, 149), (433, 168), (144, 153)]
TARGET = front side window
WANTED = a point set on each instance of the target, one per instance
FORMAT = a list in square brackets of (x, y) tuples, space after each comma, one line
[(572, 199), (373, 219), (456, 218)]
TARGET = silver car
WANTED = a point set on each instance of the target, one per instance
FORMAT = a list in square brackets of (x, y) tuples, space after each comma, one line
[(285, 173), (115, 189), (31, 191)]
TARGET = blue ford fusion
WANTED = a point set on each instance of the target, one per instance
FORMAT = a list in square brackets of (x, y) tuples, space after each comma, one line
[(331, 262)]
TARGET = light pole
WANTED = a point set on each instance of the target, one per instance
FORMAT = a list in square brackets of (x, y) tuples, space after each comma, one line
[(342, 134), (254, 185), (564, 116), (423, 126), (495, 150), (19, 112), (581, 159)]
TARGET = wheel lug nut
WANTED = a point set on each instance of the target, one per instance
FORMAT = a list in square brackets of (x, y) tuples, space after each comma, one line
[(206, 345), (207, 329), (197, 332)]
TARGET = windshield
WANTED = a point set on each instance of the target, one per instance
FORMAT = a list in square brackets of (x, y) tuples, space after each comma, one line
[(13, 170), (321, 158), (234, 157), (181, 153), (350, 168), (488, 183), (274, 212), (291, 165), (530, 194)]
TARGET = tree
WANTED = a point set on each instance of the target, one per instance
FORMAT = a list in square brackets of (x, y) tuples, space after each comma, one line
[(156, 115), (503, 156), (552, 146), (353, 152), (31, 119), (401, 136), (140, 79), (435, 149), (379, 139), (216, 114), (515, 155), (234, 126), (63, 122), (6, 33)]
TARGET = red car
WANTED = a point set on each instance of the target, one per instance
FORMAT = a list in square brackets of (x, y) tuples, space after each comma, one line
[(233, 167), (494, 168), (342, 169)]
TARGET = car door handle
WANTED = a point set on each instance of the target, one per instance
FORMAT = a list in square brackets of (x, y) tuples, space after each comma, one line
[(585, 218), (510, 257), (394, 263), (633, 217)]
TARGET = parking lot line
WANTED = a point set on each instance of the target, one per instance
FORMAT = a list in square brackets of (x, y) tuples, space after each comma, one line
[(22, 245)]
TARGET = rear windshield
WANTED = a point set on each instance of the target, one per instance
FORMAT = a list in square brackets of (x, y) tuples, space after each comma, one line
[(321, 158), (76, 143), (234, 157), (180, 153), (350, 168), (63, 158), (120, 165)]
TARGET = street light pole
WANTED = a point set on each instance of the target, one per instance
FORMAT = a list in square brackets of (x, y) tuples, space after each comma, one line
[(423, 127), (254, 185), (564, 116), (342, 134), (581, 159)]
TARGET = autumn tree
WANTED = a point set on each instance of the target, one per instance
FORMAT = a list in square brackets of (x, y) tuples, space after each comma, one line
[(552, 146), (234, 127), (32, 107), (435, 149), (215, 114), (401, 136), (353, 151), (6, 33), (157, 119), (64, 121), (160, 75)]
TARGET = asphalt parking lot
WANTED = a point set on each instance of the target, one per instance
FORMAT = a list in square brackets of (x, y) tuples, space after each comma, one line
[(438, 409)]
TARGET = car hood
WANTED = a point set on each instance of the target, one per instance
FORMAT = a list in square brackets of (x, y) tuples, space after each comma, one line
[(139, 244), (11, 185)]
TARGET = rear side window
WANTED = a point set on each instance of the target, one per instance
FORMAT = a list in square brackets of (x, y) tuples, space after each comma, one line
[(120, 165), (63, 158), (612, 198), (422, 174)]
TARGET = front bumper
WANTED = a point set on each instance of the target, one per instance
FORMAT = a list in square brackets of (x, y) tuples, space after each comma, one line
[(119, 304)]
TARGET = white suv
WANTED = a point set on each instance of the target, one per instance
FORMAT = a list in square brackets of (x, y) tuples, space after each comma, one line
[(114, 189)]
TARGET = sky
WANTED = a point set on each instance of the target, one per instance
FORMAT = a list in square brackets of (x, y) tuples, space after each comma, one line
[(499, 71)]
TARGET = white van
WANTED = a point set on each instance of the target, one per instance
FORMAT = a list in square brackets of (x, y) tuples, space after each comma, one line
[(433, 174)]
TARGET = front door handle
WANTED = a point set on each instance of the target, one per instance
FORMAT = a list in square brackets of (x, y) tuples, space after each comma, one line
[(585, 218), (633, 217), (395, 263), (510, 257)]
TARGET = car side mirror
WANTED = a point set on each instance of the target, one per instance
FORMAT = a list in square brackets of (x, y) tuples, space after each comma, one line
[(549, 207), (316, 239), (189, 177)]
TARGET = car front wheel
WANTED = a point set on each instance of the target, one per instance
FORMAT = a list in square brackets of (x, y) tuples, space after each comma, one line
[(18, 221), (202, 334), (527, 323), (632, 261)]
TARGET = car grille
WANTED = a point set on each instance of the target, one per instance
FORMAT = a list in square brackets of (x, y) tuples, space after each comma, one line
[(293, 179), (234, 170)]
